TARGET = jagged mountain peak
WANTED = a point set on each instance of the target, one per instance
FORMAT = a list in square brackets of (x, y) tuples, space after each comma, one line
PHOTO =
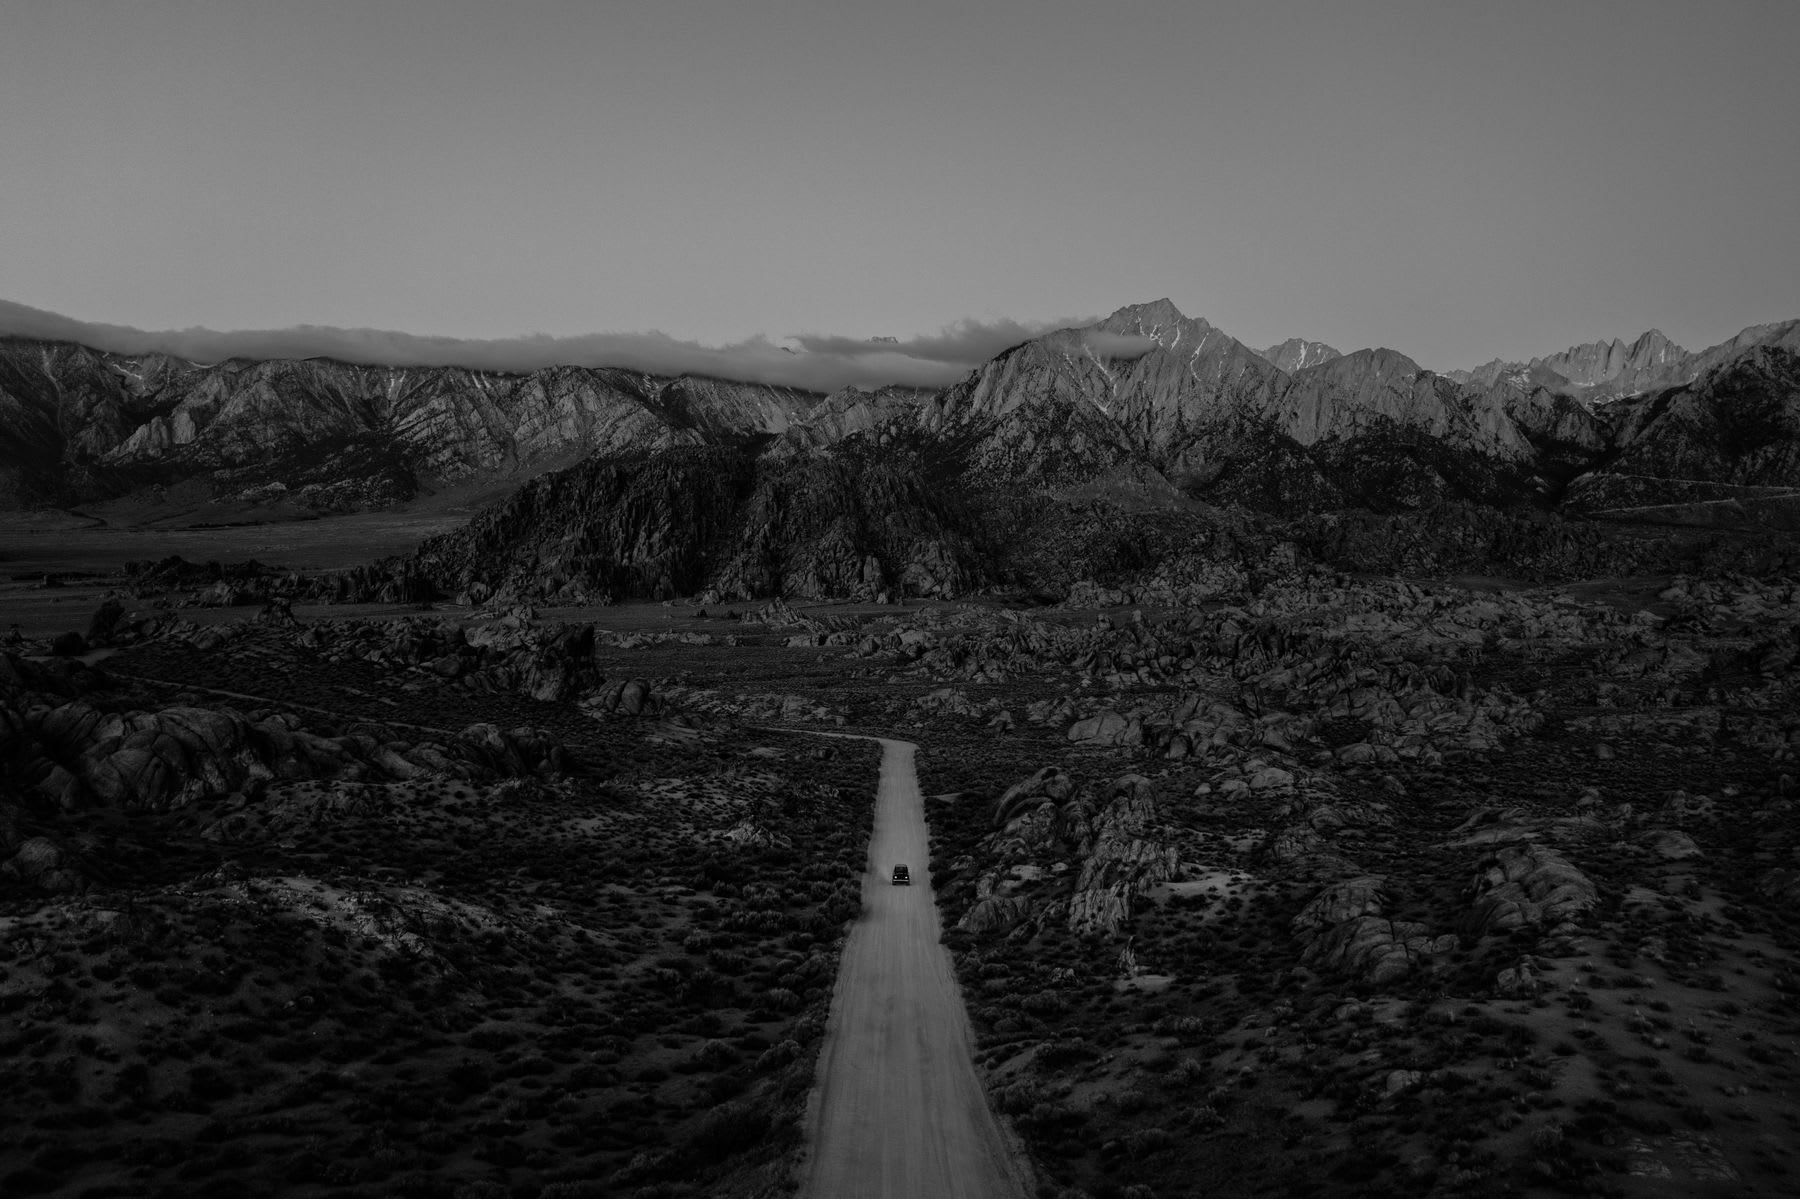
[(1297, 353), (1616, 365), (1379, 361), (1160, 320), (1143, 318), (1490, 374)]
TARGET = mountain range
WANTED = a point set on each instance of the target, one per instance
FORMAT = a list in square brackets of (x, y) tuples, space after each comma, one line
[(862, 489), (1603, 370)]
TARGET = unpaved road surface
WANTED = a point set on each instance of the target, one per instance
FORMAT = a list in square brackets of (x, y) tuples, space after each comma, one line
[(898, 1112)]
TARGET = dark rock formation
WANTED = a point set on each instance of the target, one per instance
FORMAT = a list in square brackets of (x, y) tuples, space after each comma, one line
[(675, 523)]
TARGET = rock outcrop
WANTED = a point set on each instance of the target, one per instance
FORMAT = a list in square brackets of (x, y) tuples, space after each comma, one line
[(1127, 855), (1063, 852), (1528, 885)]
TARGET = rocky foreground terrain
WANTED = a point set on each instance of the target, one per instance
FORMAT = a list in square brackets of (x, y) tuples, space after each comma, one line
[(1260, 877), (310, 911)]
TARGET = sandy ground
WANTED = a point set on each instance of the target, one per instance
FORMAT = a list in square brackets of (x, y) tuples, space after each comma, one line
[(897, 1110)]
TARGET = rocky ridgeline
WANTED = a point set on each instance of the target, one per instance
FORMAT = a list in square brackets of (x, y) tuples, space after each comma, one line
[(720, 522), (1189, 411), (90, 424), (818, 529)]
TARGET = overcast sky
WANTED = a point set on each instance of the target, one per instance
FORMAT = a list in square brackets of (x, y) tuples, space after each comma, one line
[(1458, 181)]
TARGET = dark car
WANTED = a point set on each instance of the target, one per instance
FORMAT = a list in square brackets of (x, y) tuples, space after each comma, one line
[(902, 875)]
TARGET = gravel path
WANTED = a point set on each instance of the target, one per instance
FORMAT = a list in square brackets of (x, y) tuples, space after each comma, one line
[(897, 1109)]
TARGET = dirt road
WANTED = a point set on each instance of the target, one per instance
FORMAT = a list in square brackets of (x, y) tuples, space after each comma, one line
[(897, 1111)]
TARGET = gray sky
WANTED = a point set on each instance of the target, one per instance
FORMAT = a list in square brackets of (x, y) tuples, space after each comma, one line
[(1458, 181)]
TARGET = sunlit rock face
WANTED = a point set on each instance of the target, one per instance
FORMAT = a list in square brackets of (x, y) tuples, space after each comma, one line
[(1297, 353), (1616, 365), (85, 424)]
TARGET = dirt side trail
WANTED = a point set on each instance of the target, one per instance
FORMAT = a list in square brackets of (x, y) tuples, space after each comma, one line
[(897, 1110)]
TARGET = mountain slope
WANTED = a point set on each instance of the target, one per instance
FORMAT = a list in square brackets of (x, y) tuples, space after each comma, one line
[(81, 425), (1296, 353), (1603, 370), (854, 522), (681, 484), (1151, 397), (1738, 424), (1050, 462)]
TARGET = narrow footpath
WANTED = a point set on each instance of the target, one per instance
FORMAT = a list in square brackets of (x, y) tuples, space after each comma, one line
[(897, 1111)]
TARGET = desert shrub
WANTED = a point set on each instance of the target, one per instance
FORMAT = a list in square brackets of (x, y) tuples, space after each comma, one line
[(481, 1190), (716, 1055), (777, 1056), (1018, 1097), (1057, 1054), (133, 1081), (290, 1049), (469, 1077), (717, 1088), (243, 1030), (728, 1130), (1696, 1116), (493, 1038), (420, 1184), (533, 1066)]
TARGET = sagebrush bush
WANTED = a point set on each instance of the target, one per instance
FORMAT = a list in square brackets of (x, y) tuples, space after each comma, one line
[(728, 1130)]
